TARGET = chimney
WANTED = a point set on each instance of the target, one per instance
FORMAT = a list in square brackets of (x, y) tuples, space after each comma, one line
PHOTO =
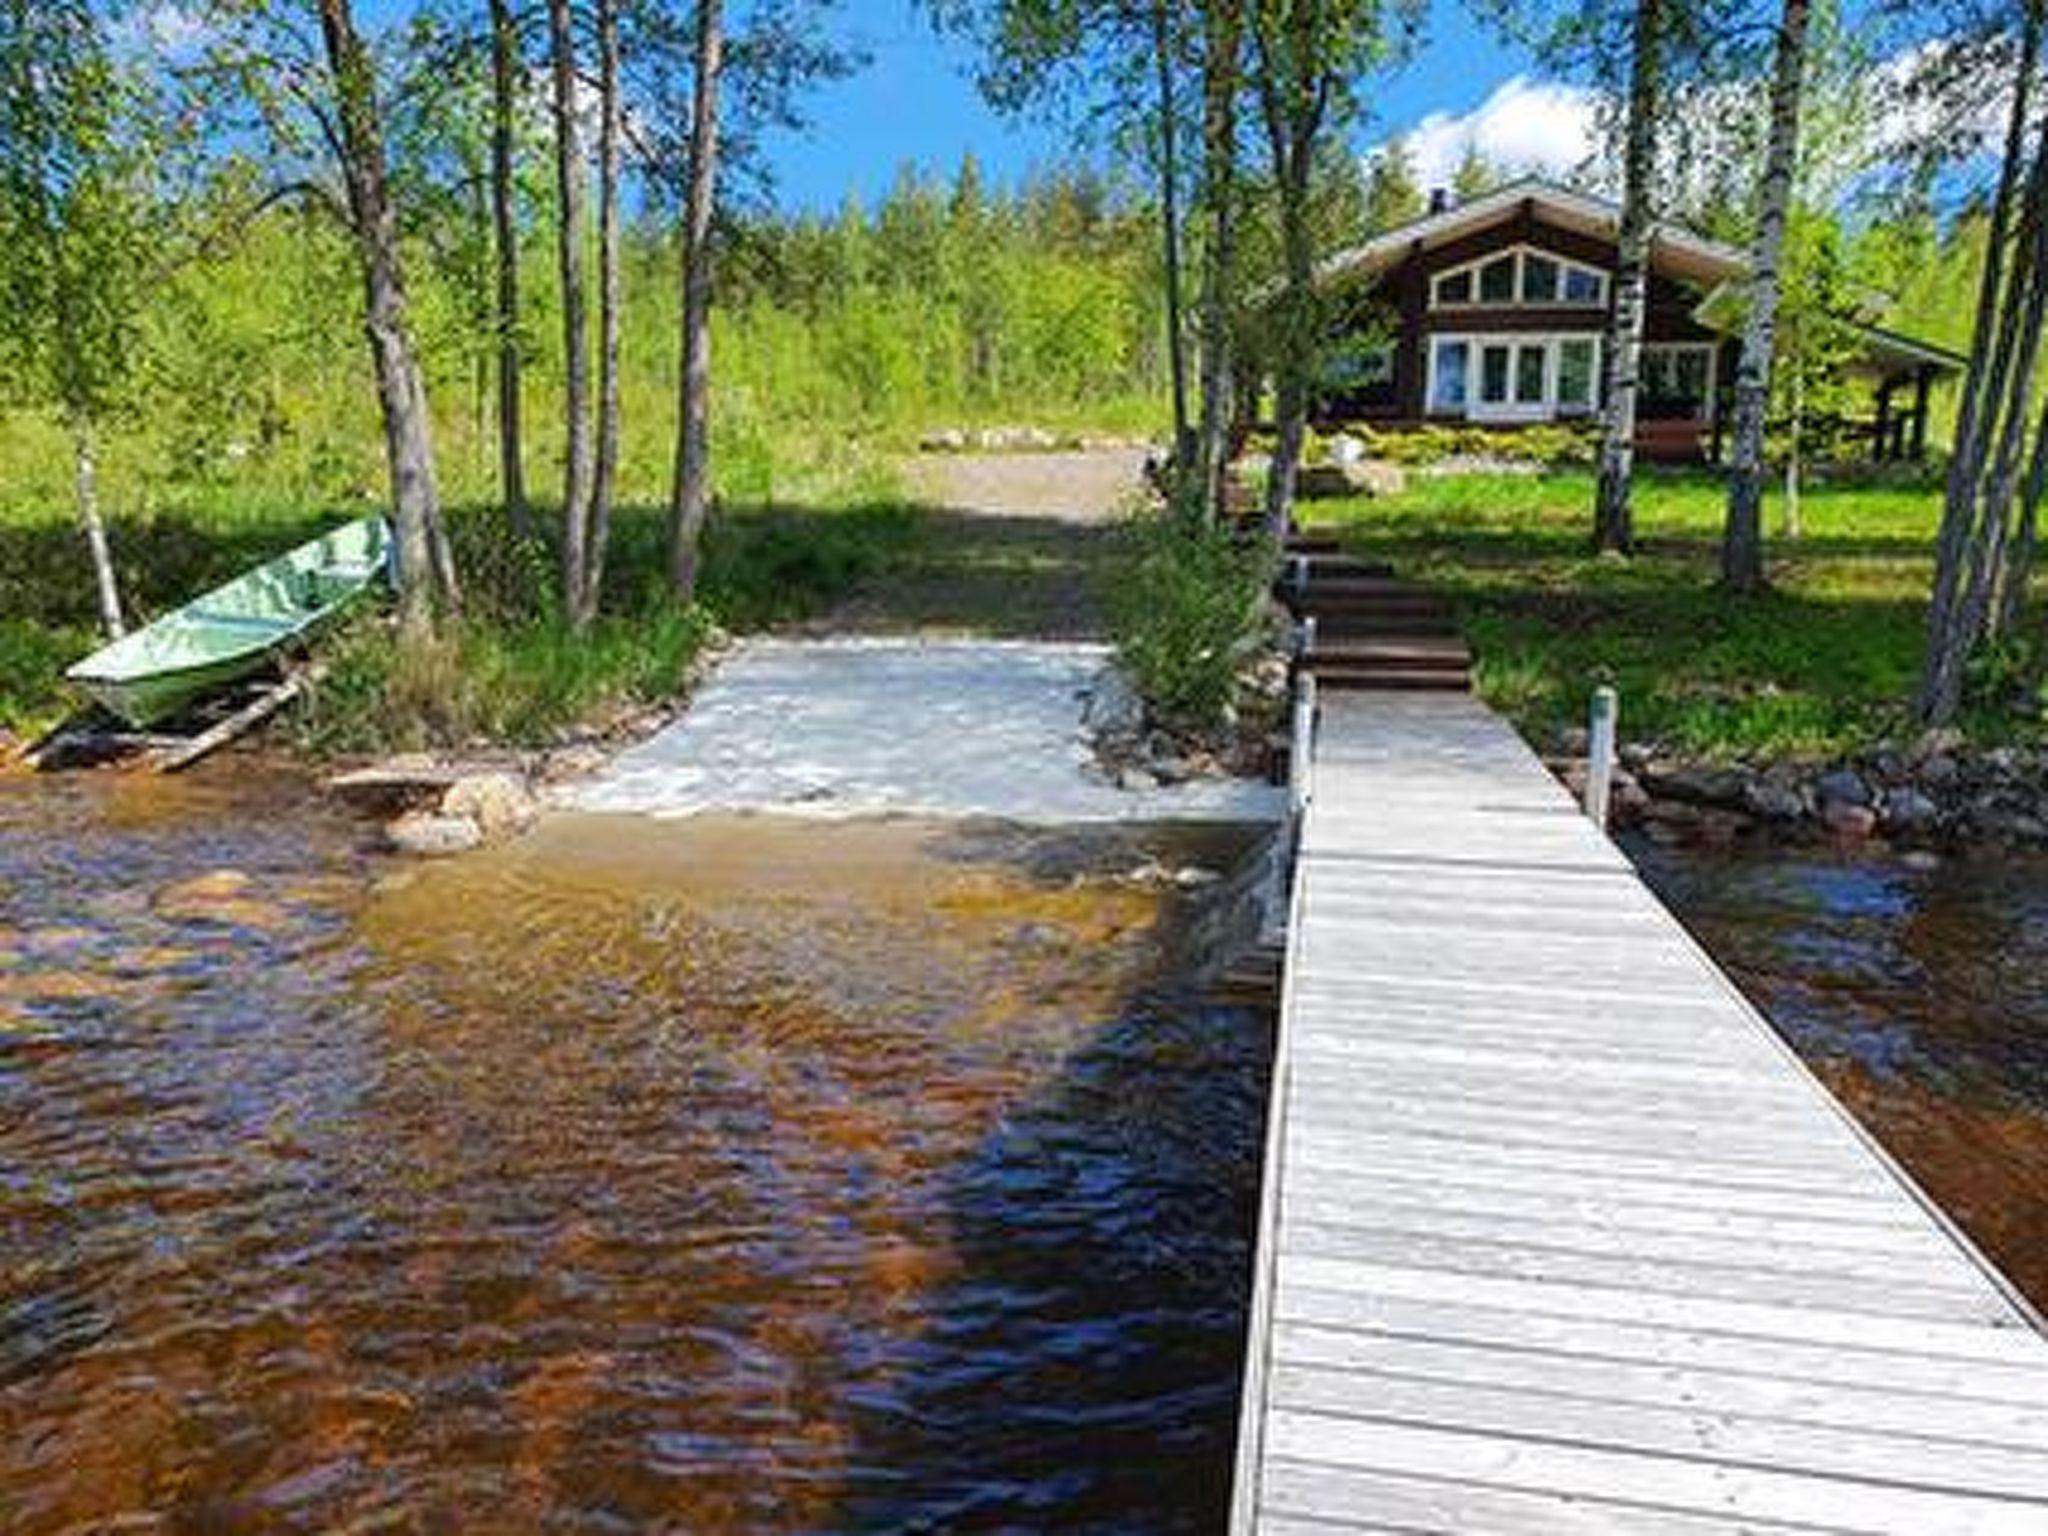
[(1439, 199)]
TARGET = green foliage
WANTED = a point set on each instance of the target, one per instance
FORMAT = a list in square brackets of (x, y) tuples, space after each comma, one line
[(1823, 664), (1554, 444), (1186, 605)]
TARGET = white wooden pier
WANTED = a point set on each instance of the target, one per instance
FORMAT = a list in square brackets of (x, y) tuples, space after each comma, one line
[(1557, 1235)]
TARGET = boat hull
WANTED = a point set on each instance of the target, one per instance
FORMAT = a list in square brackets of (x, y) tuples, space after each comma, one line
[(236, 630)]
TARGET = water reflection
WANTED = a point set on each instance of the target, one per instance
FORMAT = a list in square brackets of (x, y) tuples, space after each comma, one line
[(1920, 994), (720, 1176)]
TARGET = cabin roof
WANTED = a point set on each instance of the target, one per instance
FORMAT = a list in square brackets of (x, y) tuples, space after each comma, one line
[(1674, 251)]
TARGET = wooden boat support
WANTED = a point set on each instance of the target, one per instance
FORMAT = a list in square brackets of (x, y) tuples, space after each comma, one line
[(92, 739), (1556, 1234)]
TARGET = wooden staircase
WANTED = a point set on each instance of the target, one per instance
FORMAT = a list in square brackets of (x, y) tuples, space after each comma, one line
[(1372, 630)]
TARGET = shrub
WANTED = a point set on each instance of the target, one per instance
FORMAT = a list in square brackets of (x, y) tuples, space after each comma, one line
[(1186, 605)]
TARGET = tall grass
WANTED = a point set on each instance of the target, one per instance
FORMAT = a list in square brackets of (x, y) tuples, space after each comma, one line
[(1186, 606)]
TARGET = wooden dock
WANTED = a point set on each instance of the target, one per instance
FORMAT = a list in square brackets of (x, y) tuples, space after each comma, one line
[(1557, 1235)]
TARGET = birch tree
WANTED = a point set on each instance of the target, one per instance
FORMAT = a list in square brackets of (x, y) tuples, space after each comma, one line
[(1974, 548), (77, 238), (1222, 83), (1613, 518), (318, 101), (610, 154), (507, 68), (690, 499), (1308, 60), (571, 237), (1123, 64), (1742, 547)]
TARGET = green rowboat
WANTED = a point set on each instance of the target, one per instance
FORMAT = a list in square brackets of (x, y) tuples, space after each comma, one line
[(232, 631)]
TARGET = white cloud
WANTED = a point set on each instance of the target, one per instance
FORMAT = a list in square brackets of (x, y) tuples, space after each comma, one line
[(1525, 125)]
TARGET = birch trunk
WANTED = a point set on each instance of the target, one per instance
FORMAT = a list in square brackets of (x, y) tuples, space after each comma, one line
[(1948, 643), (569, 179), (505, 70), (691, 497), (1294, 97), (1613, 519), (609, 134), (1223, 52), (1296, 351), (1971, 549), (1169, 219), (1795, 515), (1742, 543), (401, 397), (86, 490)]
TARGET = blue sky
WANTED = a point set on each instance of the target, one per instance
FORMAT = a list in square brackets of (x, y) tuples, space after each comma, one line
[(916, 101)]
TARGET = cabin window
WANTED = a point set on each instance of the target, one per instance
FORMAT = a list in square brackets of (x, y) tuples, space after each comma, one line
[(1517, 378), (1448, 361), (1523, 275), (1575, 373), (1582, 285), (1677, 381)]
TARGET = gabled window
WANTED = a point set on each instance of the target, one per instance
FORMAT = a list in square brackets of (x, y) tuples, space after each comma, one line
[(1523, 275)]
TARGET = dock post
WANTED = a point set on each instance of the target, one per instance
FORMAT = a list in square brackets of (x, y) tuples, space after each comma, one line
[(1301, 743), (1297, 574), (1600, 755)]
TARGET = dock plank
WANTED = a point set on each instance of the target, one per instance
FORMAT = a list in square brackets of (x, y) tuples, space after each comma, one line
[(1557, 1235)]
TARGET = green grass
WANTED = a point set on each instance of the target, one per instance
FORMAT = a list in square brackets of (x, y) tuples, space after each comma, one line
[(510, 669), (1822, 665)]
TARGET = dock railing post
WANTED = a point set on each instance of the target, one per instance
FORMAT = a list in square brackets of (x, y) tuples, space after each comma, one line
[(1600, 755), (1301, 744)]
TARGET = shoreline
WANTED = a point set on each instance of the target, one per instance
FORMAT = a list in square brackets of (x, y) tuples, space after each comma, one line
[(1939, 794)]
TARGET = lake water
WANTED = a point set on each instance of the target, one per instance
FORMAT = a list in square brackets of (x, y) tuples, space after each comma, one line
[(722, 1175), (1921, 998)]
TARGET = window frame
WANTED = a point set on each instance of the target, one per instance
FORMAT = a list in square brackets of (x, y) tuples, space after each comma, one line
[(1567, 268), (1511, 407), (1710, 390)]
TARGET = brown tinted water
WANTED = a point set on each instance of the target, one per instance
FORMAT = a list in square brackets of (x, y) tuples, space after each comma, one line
[(1919, 995), (708, 1176)]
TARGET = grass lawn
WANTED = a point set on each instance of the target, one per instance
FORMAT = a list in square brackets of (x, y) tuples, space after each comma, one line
[(510, 670), (1822, 665)]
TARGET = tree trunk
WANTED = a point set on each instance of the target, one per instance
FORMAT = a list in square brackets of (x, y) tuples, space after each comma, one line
[(691, 497), (1612, 516), (1971, 549), (1221, 72), (1987, 564), (1795, 527), (609, 134), (1948, 643), (2019, 571), (1294, 96), (86, 487), (1742, 543), (569, 179), (1169, 219), (401, 397), (1296, 352), (506, 66)]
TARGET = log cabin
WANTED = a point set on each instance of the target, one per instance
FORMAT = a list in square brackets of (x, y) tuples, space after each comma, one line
[(1494, 312)]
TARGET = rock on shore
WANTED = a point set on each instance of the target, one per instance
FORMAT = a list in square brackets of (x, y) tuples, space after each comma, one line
[(1936, 791)]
